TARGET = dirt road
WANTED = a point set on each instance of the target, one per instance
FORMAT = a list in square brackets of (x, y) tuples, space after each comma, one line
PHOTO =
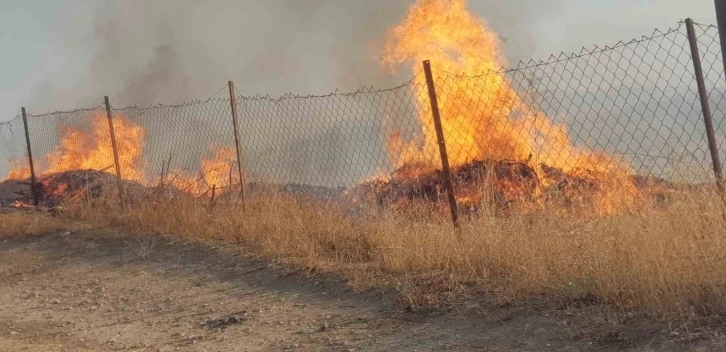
[(102, 291)]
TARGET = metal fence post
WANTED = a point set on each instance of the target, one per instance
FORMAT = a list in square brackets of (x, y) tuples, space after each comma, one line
[(33, 181), (448, 183), (115, 150), (703, 96), (235, 123)]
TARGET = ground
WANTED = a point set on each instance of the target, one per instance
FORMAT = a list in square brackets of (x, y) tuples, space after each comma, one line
[(107, 291)]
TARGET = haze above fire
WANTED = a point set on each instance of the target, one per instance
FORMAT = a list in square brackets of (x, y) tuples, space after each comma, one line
[(166, 51), (176, 50)]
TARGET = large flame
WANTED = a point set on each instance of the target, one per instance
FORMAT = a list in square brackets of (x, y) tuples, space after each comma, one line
[(483, 118), (84, 149), (80, 149)]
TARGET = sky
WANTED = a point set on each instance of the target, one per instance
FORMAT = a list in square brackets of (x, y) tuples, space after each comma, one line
[(65, 54)]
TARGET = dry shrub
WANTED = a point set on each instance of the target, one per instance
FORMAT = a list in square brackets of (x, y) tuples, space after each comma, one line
[(30, 223), (671, 261)]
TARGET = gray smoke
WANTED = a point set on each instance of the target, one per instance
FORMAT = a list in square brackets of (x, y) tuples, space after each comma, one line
[(169, 51), (516, 21), (172, 51)]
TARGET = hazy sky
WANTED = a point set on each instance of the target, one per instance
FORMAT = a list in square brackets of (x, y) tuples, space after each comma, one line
[(62, 54)]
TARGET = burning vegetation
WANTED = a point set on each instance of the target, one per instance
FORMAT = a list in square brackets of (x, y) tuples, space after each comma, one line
[(503, 152), (512, 162), (83, 165), (507, 187)]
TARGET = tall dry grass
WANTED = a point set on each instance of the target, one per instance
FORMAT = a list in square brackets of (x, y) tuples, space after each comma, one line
[(30, 223), (670, 261)]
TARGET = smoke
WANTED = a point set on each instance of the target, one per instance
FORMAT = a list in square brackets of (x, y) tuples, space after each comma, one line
[(169, 51), (517, 21), (143, 53)]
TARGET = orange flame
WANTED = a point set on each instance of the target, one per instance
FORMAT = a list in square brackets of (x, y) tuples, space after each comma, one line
[(18, 169), (20, 204), (218, 172), (478, 117), (80, 149)]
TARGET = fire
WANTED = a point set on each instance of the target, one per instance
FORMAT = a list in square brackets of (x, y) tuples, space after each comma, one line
[(217, 172), (499, 147), (18, 169), (478, 116), (91, 149), (19, 204), (83, 150)]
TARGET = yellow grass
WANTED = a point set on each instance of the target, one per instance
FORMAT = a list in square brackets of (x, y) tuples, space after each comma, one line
[(672, 261), (21, 223)]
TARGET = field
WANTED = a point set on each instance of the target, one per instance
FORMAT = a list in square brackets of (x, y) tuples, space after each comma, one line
[(309, 277), (562, 204)]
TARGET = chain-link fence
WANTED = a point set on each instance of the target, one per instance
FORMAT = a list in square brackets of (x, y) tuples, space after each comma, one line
[(12, 147), (569, 123), (70, 140)]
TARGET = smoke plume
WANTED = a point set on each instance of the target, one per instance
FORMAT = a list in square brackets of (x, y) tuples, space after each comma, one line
[(169, 51)]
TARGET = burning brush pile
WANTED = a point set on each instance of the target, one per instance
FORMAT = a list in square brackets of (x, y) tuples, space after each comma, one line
[(504, 153), (68, 186), (516, 187), (81, 166), (56, 189)]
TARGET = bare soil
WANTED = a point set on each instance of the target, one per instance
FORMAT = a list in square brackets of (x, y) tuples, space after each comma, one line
[(107, 291)]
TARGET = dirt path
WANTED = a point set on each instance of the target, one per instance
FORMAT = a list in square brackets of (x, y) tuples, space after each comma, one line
[(109, 292)]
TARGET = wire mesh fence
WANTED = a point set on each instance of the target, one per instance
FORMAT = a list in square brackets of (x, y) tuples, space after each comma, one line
[(604, 121), (713, 72), (190, 145), (334, 141), (12, 147), (635, 100), (70, 140)]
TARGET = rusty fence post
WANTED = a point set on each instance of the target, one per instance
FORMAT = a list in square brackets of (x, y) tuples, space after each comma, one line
[(235, 123), (33, 181), (448, 182), (703, 96), (116, 163)]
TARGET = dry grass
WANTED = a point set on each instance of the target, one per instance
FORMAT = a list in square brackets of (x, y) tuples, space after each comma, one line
[(29, 223), (669, 262)]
